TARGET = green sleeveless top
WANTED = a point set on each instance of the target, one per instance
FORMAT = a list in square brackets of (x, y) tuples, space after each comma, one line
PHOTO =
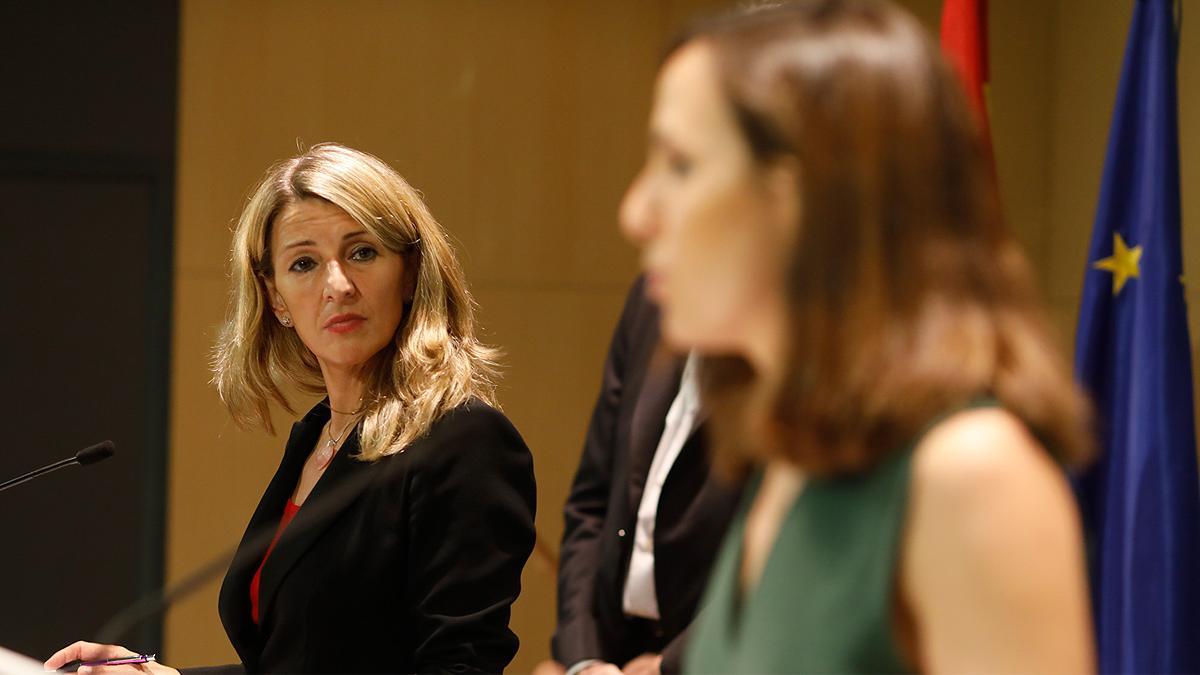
[(824, 601)]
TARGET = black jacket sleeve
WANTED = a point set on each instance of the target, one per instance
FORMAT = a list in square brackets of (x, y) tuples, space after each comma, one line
[(576, 636), (471, 529)]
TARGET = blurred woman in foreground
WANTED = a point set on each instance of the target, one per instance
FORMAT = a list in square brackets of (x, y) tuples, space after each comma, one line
[(817, 214)]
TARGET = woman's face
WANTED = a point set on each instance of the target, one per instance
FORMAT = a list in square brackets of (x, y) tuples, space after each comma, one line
[(713, 225), (341, 289)]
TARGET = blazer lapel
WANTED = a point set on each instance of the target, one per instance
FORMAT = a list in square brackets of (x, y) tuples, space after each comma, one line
[(235, 590), (649, 419), (341, 485)]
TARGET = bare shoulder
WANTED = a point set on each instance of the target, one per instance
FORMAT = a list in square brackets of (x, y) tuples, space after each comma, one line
[(987, 495), (981, 454), (993, 566)]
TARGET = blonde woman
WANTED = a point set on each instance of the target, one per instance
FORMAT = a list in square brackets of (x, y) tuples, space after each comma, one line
[(403, 506)]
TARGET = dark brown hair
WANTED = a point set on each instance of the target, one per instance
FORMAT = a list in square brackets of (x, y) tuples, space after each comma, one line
[(907, 296)]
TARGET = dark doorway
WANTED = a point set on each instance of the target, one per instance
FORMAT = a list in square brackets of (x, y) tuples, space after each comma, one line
[(87, 154)]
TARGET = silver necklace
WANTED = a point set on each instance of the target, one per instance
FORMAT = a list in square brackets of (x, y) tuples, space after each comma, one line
[(325, 452)]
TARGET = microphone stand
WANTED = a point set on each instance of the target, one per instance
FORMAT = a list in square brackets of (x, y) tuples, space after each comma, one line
[(152, 604), (88, 455), (36, 472), (253, 545)]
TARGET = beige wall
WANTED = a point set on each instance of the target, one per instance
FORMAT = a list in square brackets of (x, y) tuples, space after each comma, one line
[(522, 122)]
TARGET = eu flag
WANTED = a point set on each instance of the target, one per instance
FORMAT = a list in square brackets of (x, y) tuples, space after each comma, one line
[(1141, 501)]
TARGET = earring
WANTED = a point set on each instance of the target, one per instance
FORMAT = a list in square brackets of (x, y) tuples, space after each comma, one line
[(286, 321)]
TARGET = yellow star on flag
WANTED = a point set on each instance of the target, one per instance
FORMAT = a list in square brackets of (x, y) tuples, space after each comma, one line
[(1123, 263)]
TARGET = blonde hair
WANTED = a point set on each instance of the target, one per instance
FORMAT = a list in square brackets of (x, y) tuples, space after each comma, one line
[(433, 365)]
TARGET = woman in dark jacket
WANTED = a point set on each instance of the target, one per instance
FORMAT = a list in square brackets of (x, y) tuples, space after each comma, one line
[(393, 534)]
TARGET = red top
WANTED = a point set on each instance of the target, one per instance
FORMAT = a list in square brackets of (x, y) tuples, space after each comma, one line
[(289, 511)]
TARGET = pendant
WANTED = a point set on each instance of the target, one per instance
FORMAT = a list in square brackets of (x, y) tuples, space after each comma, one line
[(325, 454)]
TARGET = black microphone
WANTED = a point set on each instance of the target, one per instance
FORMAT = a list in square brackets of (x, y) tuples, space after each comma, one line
[(88, 455)]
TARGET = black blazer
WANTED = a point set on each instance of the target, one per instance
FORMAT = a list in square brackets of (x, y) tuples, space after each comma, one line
[(694, 509), (407, 564)]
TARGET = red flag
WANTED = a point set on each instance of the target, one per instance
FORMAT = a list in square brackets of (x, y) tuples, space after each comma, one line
[(964, 41)]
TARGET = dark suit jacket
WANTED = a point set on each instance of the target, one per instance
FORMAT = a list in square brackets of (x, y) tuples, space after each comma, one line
[(600, 516), (408, 564)]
